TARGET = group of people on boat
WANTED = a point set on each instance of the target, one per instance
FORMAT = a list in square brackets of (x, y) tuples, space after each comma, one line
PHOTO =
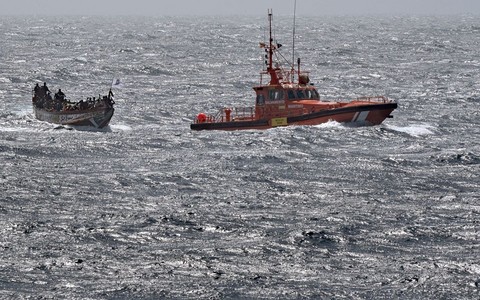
[(43, 99)]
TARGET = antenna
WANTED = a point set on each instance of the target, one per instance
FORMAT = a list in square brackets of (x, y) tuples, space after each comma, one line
[(293, 52)]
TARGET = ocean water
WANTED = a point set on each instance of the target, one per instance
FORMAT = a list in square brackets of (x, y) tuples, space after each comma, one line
[(148, 209)]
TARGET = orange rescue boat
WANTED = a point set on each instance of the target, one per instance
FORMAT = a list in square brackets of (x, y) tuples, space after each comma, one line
[(290, 99)]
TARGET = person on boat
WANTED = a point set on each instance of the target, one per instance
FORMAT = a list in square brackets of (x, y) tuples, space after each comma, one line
[(58, 106), (45, 89), (36, 91), (36, 88), (109, 99), (59, 95), (40, 103), (82, 105)]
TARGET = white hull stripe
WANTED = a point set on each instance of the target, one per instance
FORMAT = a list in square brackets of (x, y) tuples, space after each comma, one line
[(360, 116)]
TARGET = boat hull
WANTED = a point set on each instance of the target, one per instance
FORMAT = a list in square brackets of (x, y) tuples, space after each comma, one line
[(366, 115), (96, 117)]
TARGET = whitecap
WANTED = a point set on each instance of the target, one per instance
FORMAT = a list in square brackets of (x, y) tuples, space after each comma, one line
[(8, 129), (118, 127), (414, 129), (22, 112), (330, 124), (81, 59)]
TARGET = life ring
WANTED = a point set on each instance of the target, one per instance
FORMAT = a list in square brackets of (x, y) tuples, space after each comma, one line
[(201, 118)]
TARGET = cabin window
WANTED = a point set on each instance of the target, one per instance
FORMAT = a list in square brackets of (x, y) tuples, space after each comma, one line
[(300, 94), (275, 95), (279, 95), (312, 94), (271, 95), (260, 99), (291, 95), (308, 93)]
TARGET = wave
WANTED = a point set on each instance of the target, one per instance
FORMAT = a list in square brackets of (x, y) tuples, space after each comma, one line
[(415, 130), (465, 158), (330, 124), (120, 127)]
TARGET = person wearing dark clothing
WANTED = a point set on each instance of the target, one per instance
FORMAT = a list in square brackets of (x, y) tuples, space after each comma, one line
[(36, 92), (43, 91), (45, 88), (110, 98), (59, 95)]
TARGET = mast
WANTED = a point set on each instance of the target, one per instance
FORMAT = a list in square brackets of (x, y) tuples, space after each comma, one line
[(273, 73), (270, 45)]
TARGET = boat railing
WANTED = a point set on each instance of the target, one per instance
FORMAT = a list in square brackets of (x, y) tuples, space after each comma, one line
[(243, 113), (380, 99), (234, 114), (227, 115), (285, 76)]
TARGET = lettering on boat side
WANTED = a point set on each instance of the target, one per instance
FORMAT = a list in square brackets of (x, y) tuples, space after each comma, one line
[(67, 118), (295, 106), (275, 101), (278, 122)]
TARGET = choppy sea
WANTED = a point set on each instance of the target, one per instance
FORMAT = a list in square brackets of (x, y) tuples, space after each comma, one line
[(148, 209)]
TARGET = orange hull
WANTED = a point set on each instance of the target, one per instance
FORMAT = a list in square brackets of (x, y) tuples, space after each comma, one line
[(370, 114)]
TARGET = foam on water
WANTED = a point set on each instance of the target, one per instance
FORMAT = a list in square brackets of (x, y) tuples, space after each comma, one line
[(12, 129), (330, 124), (120, 127), (414, 129)]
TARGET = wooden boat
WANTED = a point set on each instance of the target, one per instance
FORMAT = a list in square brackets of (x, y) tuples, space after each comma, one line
[(58, 110), (290, 99)]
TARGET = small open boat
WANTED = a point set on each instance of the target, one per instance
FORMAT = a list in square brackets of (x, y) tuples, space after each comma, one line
[(58, 110), (290, 99)]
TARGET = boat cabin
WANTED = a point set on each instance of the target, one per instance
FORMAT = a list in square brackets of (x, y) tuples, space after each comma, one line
[(283, 100), (268, 95)]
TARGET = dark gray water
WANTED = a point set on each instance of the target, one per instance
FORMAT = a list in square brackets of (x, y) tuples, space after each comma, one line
[(147, 209)]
